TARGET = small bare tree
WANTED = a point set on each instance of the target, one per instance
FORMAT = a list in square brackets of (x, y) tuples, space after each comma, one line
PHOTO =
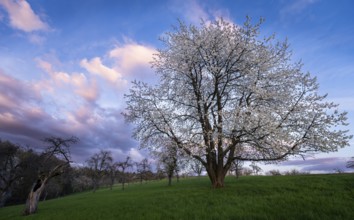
[(256, 169), (99, 163), (167, 154), (168, 158), (142, 168), (237, 167), (197, 167), (112, 171), (58, 151), (274, 173), (247, 171), (124, 166)]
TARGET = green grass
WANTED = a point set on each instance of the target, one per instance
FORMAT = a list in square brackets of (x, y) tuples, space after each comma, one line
[(260, 197)]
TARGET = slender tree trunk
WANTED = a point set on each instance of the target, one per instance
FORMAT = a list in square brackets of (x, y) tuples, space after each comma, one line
[(95, 186), (111, 184), (169, 180), (45, 196), (177, 176), (33, 197), (123, 181)]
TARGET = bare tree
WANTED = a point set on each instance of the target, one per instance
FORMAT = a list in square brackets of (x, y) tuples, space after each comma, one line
[(247, 171), (112, 171), (99, 163), (124, 166), (160, 172), (171, 158), (223, 88), (293, 172), (142, 168), (57, 150), (274, 173), (255, 168), (197, 167), (237, 167), (168, 158)]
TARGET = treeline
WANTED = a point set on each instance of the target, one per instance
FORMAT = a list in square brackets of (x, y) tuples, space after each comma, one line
[(25, 173)]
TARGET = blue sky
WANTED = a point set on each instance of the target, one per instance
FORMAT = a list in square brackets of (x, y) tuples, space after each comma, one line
[(65, 65)]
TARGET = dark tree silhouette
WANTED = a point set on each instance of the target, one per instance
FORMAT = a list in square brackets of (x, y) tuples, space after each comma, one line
[(57, 150), (99, 164), (10, 169), (124, 166)]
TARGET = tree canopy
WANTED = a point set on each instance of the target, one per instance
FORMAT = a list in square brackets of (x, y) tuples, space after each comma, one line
[(227, 94)]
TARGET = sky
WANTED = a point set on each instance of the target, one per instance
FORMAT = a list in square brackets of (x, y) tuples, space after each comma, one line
[(65, 65)]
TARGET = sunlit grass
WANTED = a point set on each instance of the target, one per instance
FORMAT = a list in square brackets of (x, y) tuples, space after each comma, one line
[(262, 197)]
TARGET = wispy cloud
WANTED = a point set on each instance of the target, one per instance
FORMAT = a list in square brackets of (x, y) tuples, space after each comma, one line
[(192, 11), (328, 165), (296, 6), (22, 17)]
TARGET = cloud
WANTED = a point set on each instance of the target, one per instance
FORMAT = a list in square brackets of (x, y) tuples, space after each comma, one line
[(135, 154), (192, 11), (22, 17), (13, 92), (132, 55), (320, 164), (19, 111), (95, 66), (26, 118), (82, 86), (296, 6), (36, 39)]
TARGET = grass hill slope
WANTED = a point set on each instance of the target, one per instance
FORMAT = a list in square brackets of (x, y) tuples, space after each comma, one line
[(253, 197)]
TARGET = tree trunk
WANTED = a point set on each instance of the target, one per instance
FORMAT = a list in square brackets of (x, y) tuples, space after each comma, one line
[(169, 180), (237, 172), (94, 187), (216, 177), (33, 197)]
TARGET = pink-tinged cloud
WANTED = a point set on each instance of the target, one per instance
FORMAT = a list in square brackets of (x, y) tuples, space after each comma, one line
[(25, 119), (13, 92), (81, 85), (95, 66), (22, 16), (88, 90), (132, 55), (36, 39)]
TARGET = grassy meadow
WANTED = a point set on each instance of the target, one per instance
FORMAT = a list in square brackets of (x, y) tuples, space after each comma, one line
[(250, 197)]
